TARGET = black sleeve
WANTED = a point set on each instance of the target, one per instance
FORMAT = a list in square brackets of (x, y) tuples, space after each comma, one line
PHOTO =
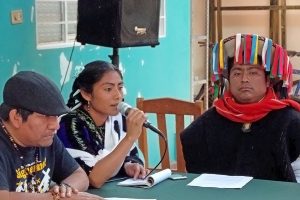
[(65, 165), (194, 147), (293, 141), (4, 174)]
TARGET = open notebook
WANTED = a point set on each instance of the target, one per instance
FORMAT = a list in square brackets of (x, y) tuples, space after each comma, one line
[(149, 181)]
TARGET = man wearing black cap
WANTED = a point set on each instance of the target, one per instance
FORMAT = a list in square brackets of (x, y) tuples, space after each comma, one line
[(32, 158)]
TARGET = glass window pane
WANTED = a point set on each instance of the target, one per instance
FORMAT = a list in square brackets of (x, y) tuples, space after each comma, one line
[(72, 28), (49, 12), (72, 11), (50, 33)]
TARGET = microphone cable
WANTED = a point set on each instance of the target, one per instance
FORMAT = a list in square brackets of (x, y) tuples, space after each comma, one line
[(70, 58), (124, 108), (160, 134)]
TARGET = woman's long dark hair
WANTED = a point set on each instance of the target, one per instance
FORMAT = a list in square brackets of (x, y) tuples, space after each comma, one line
[(92, 73)]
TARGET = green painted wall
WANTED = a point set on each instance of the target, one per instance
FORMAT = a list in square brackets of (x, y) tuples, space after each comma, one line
[(149, 72)]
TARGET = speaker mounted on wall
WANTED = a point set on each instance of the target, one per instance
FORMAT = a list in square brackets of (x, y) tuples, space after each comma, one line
[(118, 23)]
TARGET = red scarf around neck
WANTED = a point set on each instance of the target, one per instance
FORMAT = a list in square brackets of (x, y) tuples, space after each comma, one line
[(248, 113)]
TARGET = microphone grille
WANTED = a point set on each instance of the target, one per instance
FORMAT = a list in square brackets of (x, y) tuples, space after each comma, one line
[(123, 108)]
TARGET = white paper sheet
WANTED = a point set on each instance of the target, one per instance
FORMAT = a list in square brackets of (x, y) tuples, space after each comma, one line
[(149, 181), (220, 181)]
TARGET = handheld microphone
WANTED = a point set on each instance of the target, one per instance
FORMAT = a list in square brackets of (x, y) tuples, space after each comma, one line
[(124, 109)]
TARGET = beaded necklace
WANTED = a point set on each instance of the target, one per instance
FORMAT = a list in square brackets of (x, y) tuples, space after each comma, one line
[(31, 175)]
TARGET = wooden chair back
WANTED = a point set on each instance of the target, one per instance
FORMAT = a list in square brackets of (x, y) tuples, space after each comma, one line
[(162, 107)]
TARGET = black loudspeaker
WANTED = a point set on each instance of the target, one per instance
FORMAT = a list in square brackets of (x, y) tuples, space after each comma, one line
[(118, 23)]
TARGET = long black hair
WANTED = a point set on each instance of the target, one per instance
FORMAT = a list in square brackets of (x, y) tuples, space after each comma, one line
[(91, 74)]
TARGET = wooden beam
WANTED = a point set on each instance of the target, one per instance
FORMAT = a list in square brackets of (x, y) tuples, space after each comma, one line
[(274, 22), (212, 22), (283, 24), (271, 7), (219, 20)]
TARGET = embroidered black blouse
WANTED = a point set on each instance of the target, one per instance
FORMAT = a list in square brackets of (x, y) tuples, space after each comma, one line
[(78, 131)]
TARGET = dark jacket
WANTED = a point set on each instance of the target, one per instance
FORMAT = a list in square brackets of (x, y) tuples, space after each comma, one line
[(214, 144)]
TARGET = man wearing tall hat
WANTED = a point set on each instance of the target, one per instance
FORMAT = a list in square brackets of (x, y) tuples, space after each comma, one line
[(253, 127)]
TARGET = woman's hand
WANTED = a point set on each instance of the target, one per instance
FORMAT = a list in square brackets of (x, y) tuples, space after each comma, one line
[(135, 170), (134, 122)]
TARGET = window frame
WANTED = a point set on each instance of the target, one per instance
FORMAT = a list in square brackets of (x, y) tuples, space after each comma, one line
[(67, 39), (162, 19)]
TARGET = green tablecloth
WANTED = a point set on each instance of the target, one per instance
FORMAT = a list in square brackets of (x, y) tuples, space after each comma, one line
[(173, 190)]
